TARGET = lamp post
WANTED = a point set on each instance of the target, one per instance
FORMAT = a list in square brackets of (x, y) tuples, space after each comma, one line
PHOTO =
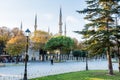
[(26, 54), (86, 61), (86, 54)]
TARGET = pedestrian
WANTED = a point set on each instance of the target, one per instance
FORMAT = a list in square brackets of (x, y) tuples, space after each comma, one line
[(52, 60)]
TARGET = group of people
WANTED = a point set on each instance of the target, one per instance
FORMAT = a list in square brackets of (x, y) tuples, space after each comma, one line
[(9, 59)]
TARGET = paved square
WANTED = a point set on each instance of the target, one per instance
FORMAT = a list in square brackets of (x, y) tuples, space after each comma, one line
[(37, 69)]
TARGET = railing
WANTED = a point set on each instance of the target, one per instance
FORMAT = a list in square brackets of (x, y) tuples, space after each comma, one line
[(64, 57)]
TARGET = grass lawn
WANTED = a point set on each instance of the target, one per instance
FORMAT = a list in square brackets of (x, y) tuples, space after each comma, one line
[(83, 75)]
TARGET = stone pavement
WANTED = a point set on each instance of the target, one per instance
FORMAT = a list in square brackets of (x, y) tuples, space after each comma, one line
[(37, 69)]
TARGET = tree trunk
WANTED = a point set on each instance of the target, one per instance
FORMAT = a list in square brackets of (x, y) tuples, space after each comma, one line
[(77, 58), (41, 52), (110, 68), (119, 64), (17, 59), (118, 59), (60, 55), (67, 56), (43, 56)]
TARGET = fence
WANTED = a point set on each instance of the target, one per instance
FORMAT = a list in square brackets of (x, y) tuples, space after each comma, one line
[(64, 57)]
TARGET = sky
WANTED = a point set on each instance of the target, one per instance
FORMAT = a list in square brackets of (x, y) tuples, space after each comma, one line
[(13, 12)]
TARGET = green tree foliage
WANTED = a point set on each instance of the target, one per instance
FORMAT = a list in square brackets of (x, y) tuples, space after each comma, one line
[(79, 53), (76, 53), (60, 42), (117, 38), (99, 30)]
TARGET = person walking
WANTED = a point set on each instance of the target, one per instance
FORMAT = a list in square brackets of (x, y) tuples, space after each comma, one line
[(52, 60)]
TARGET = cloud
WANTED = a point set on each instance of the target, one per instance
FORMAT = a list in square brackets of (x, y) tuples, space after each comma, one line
[(72, 19)]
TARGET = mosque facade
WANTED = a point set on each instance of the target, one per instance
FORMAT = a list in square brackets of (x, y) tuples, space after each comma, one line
[(35, 55)]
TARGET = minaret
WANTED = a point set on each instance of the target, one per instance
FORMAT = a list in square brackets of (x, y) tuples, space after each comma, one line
[(35, 26), (48, 30), (21, 26), (65, 30), (60, 22)]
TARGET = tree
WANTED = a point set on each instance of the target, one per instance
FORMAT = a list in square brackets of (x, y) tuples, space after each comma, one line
[(39, 38), (5, 35), (79, 53), (78, 45), (60, 42), (15, 31), (16, 45), (117, 36), (99, 29)]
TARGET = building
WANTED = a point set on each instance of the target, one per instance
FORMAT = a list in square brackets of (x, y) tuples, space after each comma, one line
[(35, 55)]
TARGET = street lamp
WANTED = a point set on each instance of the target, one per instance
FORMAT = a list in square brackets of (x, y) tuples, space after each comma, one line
[(86, 60), (86, 54), (26, 54)]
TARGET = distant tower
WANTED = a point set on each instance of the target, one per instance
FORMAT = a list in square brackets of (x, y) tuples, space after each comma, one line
[(60, 22), (21, 26), (65, 30), (48, 30), (35, 26)]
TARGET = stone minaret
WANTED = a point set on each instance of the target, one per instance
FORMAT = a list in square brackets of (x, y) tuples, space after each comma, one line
[(65, 30), (60, 22), (35, 26), (21, 26), (48, 30)]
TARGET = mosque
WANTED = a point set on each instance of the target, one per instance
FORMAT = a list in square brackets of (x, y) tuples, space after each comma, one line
[(35, 55)]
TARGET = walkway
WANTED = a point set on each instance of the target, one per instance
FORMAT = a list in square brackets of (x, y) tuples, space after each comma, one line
[(37, 69)]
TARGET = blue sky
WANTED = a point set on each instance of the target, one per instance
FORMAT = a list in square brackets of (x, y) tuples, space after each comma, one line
[(12, 12)]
